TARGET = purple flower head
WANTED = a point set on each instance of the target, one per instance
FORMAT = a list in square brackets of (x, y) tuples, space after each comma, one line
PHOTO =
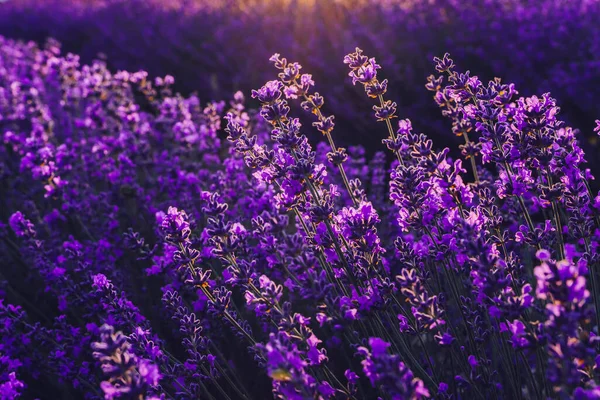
[(127, 375), (404, 127), (149, 372), (290, 73), (444, 64), (387, 371), (275, 112), (378, 346), (356, 60), (11, 387), (21, 225), (366, 74), (326, 125), (563, 280), (176, 226), (326, 390), (286, 367), (385, 111), (519, 335), (100, 282), (375, 89), (279, 62), (269, 93), (315, 355)]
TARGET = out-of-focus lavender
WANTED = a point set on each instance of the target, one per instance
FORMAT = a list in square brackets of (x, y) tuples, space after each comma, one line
[(219, 46), (156, 246)]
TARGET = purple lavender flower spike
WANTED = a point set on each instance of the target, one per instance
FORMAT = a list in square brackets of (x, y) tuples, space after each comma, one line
[(127, 375), (387, 371)]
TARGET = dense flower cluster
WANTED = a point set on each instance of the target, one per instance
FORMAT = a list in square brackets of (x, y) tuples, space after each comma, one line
[(155, 247)]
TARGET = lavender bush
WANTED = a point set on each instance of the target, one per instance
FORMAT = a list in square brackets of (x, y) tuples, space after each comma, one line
[(155, 247)]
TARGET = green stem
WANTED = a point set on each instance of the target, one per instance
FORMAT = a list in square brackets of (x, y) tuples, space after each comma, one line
[(391, 131)]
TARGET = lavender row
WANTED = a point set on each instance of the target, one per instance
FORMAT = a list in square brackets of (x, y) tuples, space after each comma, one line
[(219, 46), (154, 247)]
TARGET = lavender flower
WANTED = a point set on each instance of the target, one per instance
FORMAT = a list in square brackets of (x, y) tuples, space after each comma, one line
[(389, 373), (127, 375), (21, 226)]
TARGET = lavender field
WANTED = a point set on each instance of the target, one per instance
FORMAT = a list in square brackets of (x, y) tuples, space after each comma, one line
[(233, 199)]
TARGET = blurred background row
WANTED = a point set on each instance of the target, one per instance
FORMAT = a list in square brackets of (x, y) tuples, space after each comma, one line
[(215, 47)]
